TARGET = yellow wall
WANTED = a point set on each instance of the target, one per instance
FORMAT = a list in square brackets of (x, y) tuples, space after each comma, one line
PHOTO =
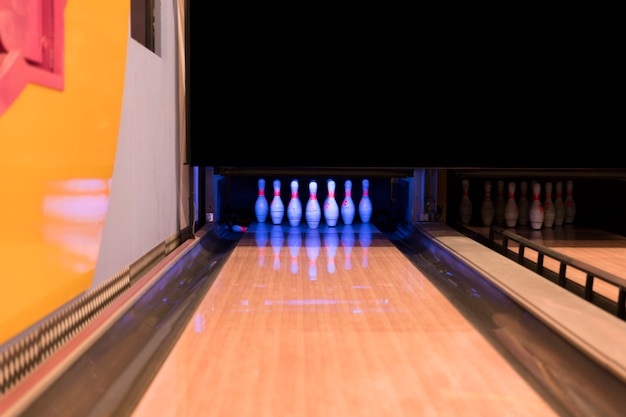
[(57, 151)]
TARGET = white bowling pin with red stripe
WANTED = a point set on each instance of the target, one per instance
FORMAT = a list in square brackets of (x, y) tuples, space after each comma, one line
[(523, 205), (559, 204), (487, 208), (365, 204), (261, 208), (548, 207), (570, 205), (331, 208), (277, 207), (465, 208), (511, 212), (347, 206), (499, 203), (294, 208), (313, 211), (535, 212)]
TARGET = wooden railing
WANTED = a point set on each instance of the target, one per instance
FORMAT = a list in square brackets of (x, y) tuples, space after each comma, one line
[(592, 273)]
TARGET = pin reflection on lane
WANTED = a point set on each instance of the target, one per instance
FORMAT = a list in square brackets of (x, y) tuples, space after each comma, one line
[(331, 242), (277, 238), (324, 238), (312, 244), (261, 236), (327, 242), (347, 242), (294, 241), (365, 240)]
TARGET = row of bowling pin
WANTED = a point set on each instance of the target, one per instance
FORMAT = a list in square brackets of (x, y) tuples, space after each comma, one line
[(551, 212), (313, 210)]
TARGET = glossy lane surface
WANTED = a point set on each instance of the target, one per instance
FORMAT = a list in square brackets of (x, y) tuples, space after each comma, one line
[(333, 321)]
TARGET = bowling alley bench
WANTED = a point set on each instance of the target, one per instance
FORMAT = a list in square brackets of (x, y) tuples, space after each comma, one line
[(531, 249)]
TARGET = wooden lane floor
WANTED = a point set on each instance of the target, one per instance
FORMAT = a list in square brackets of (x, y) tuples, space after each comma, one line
[(599, 248), (333, 321)]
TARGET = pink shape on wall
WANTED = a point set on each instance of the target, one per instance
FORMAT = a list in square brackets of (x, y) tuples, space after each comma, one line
[(32, 42)]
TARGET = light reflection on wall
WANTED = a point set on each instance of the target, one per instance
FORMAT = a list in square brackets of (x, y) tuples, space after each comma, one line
[(74, 212)]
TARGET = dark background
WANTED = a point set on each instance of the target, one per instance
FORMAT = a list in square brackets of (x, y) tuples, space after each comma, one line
[(311, 90)]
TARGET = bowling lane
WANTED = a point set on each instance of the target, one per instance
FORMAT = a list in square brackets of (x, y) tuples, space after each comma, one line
[(333, 321), (599, 248)]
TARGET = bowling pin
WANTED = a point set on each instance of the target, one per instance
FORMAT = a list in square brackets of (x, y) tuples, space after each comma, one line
[(326, 200), (277, 208), (511, 213), (465, 208), (570, 205), (487, 209), (261, 208), (559, 204), (499, 203), (365, 204), (331, 208), (313, 210), (347, 206), (549, 211), (535, 212), (522, 205), (294, 208)]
